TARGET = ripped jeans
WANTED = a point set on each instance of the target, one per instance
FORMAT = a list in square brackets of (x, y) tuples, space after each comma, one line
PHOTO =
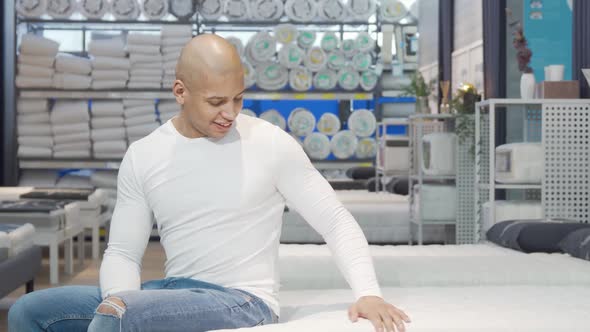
[(172, 304)]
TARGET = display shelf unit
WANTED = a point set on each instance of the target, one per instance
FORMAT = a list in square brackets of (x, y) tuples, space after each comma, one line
[(167, 94), (563, 126), (420, 125), (381, 139)]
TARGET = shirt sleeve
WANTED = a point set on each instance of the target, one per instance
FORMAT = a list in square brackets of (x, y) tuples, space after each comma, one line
[(308, 192), (131, 227)]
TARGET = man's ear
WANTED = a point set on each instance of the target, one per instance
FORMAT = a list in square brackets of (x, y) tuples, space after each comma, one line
[(179, 91)]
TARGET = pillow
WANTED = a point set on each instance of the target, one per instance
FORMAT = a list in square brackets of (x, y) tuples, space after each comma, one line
[(399, 186), (360, 173), (532, 235), (577, 244)]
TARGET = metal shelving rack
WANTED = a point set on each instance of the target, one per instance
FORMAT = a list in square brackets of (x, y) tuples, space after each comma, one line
[(420, 125), (562, 127), (381, 139)]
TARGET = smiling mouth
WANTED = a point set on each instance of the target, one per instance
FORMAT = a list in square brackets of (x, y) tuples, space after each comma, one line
[(224, 125)]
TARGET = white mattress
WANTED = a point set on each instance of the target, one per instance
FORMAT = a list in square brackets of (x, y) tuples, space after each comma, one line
[(14, 241), (453, 309), (434, 265), (383, 217), (55, 220)]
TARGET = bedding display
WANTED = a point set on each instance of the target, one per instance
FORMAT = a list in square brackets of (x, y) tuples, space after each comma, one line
[(449, 309), (42, 214), (15, 238), (520, 163)]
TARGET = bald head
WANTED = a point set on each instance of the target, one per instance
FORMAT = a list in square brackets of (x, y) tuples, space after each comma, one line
[(204, 56)]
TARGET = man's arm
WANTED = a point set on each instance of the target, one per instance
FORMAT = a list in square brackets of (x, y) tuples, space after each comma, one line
[(131, 226), (313, 197)]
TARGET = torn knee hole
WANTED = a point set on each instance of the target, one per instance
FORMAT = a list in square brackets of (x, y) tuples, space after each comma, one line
[(112, 306)]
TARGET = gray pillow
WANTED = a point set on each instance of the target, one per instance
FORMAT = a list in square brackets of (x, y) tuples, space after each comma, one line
[(533, 235), (577, 244)]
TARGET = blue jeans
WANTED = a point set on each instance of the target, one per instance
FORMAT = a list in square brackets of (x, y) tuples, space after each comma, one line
[(172, 304)]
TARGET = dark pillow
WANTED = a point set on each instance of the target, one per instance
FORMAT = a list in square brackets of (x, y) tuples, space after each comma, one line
[(348, 184), (577, 244), (400, 186), (532, 235), (361, 173)]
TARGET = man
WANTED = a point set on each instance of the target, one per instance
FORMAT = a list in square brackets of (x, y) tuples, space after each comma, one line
[(216, 182)]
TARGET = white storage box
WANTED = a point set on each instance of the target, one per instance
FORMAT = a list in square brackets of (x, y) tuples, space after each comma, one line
[(395, 154), (439, 153), (519, 163)]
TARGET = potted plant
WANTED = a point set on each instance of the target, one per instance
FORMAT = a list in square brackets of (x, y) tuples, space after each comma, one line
[(420, 90), (523, 56)]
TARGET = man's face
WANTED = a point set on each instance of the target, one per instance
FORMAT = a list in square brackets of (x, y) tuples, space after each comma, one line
[(213, 104)]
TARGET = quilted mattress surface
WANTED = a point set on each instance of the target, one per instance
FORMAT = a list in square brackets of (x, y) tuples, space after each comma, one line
[(312, 267), (444, 309)]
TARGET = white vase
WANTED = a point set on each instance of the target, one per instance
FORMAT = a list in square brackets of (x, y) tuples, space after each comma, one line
[(527, 86)]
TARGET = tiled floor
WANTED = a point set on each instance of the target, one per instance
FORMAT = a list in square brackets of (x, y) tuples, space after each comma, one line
[(153, 268)]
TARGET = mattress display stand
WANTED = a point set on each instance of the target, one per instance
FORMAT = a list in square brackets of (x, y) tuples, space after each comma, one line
[(564, 125), (53, 239), (93, 224), (381, 138), (420, 125)]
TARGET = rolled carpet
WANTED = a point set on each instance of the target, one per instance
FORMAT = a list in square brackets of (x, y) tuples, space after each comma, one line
[(125, 9)]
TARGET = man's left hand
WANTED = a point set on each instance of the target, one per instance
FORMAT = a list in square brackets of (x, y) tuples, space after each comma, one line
[(384, 316)]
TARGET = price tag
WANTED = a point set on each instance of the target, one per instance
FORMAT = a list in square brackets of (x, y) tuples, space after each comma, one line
[(360, 96), (299, 96), (328, 96)]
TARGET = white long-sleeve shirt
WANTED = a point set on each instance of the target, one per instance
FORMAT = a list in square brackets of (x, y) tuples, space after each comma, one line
[(218, 204)]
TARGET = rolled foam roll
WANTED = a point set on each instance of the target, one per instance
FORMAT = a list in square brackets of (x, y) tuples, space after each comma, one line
[(61, 9), (104, 85), (32, 106), (286, 33), (332, 10), (237, 43), (348, 79), (300, 79), (344, 144), (107, 62), (125, 9), (271, 76), (369, 80), (364, 42), (154, 9), (366, 148), (261, 47), (183, 10), (113, 47), (177, 30), (211, 10), (106, 108), (33, 82), (236, 10), (31, 8), (391, 11), (362, 10), (348, 48), (114, 74), (317, 146), (267, 10), (143, 38), (336, 60), (325, 79), (305, 39), (275, 117), (249, 74), (316, 59), (34, 71), (330, 42), (93, 9), (362, 61), (291, 56), (301, 10)]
